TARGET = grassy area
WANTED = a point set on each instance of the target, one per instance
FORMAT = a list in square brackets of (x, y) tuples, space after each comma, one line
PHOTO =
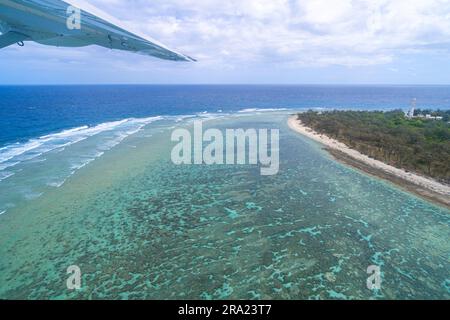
[(418, 145)]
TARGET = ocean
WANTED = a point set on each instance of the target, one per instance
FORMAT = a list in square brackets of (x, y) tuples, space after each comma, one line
[(86, 179), (28, 112)]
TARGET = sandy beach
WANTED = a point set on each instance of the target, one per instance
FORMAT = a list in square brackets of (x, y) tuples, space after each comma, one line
[(420, 185)]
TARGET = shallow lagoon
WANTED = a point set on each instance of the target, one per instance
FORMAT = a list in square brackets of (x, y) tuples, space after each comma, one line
[(140, 227)]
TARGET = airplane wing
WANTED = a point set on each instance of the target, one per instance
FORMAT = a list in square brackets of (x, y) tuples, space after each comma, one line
[(73, 23), (10, 38)]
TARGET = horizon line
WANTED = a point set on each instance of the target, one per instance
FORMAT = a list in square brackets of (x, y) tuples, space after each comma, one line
[(227, 84)]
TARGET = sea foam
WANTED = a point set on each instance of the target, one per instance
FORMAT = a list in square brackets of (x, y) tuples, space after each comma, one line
[(253, 110), (14, 154)]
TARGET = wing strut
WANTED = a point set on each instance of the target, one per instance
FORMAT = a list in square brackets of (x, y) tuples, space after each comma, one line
[(12, 37)]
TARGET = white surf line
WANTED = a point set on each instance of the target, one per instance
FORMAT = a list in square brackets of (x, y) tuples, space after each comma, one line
[(41, 145), (258, 110)]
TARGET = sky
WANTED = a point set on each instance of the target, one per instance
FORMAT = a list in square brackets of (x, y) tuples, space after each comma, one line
[(256, 42)]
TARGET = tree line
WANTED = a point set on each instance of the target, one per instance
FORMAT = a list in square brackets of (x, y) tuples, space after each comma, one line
[(418, 145)]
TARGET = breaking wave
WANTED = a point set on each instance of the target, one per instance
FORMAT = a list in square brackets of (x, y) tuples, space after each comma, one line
[(14, 154)]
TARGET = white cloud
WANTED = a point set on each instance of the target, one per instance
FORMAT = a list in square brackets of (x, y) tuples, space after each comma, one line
[(233, 33), (304, 32)]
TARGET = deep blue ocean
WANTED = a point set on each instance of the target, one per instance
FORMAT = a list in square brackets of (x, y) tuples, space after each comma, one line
[(28, 112)]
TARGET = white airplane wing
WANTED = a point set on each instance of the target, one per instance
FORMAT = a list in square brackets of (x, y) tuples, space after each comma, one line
[(73, 23)]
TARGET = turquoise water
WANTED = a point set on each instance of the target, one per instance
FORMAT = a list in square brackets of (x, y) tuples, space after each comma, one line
[(140, 227)]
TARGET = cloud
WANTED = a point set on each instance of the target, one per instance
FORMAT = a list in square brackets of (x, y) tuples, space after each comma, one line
[(237, 34), (300, 32)]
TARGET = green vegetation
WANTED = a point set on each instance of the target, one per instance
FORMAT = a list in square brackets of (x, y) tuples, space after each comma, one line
[(418, 145)]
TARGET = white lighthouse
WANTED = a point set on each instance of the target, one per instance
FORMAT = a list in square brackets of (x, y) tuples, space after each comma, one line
[(412, 109)]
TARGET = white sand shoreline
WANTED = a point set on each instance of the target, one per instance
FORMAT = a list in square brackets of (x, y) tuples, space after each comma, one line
[(413, 178)]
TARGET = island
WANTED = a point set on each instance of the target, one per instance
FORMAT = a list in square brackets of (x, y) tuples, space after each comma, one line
[(412, 151)]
